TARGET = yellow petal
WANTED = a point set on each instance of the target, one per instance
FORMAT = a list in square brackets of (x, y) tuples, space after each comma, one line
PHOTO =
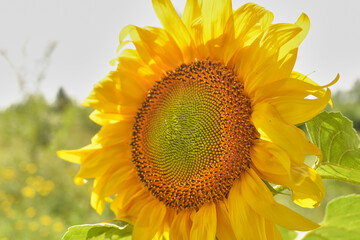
[(103, 119), (103, 96), (109, 184), (215, 16), (305, 108), (116, 93), (272, 231), (112, 134), (191, 14), (287, 64), (259, 197), (172, 23), (97, 201), (306, 185), (267, 157), (153, 45), (129, 201), (193, 21), (181, 226), (304, 78), (287, 87), (247, 19), (304, 23), (296, 110), (99, 161), (224, 229), (278, 35), (131, 65), (291, 97), (192, 11), (204, 223), (96, 160), (269, 124), (246, 223), (258, 64), (242, 28), (149, 220), (308, 190), (74, 156)]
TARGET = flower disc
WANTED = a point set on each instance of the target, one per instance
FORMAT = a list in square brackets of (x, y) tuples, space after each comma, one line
[(193, 134)]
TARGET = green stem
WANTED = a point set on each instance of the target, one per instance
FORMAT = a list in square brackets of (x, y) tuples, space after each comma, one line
[(280, 188)]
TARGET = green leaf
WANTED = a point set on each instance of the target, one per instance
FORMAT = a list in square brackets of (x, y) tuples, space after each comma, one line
[(287, 234), (342, 220), (340, 144), (99, 231)]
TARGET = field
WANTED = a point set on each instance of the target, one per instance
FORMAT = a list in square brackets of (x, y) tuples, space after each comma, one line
[(38, 199)]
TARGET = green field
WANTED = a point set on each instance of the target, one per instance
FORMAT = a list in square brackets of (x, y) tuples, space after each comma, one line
[(38, 198)]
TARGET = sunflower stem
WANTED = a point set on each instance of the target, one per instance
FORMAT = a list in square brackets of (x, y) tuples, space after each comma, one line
[(279, 189)]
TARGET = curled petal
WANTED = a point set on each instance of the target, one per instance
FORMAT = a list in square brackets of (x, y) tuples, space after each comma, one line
[(260, 199), (269, 123)]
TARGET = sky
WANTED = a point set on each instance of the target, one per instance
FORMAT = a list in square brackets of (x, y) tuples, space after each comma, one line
[(86, 36)]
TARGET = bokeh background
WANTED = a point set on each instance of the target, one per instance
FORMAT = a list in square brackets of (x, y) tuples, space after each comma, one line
[(52, 52)]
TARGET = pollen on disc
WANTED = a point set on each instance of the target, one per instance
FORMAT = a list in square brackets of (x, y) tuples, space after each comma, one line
[(193, 135)]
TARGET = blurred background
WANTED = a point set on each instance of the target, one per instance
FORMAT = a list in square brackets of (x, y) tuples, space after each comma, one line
[(52, 52)]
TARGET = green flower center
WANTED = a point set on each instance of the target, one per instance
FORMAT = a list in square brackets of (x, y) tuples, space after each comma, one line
[(193, 134), (183, 133)]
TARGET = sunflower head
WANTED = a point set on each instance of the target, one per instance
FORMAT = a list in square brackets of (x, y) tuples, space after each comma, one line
[(193, 134), (196, 118)]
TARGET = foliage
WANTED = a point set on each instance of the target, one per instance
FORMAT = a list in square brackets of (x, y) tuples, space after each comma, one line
[(342, 220), (38, 199), (348, 103), (340, 145), (102, 231), (287, 234)]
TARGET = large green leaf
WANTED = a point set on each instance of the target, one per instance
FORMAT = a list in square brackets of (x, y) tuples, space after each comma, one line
[(342, 220), (334, 135), (287, 234), (99, 231)]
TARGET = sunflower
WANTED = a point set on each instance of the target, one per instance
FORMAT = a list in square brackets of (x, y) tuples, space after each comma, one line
[(197, 119)]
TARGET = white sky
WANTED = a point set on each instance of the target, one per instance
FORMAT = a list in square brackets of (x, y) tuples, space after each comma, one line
[(87, 35)]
